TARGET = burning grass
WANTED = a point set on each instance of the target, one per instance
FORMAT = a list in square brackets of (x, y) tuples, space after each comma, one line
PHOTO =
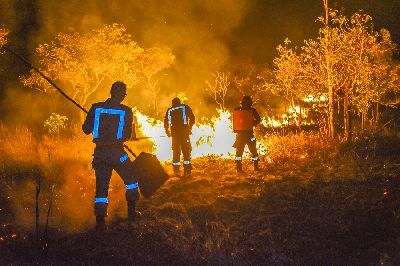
[(313, 202)]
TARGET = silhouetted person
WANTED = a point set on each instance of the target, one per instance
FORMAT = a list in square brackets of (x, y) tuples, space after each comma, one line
[(178, 122), (110, 122), (245, 118)]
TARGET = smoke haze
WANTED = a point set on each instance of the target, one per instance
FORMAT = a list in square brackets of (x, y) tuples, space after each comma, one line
[(205, 36)]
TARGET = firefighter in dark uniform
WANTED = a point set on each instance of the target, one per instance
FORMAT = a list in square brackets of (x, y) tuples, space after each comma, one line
[(245, 118), (110, 122), (178, 123)]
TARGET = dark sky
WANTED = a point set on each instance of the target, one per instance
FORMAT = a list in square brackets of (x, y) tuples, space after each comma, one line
[(203, 34), (268, 23), (245, 28)]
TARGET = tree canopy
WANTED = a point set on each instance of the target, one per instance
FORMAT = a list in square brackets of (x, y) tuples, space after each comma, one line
[(3, 35), (83, 63), (349, 61)]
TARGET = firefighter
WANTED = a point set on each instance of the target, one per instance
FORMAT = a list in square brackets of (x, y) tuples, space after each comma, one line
[(245, 118), (178, 122), (110, 123)]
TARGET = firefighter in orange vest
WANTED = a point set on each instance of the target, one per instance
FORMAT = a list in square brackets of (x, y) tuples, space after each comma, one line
[(245, 118), (178, 122), (110, 122)]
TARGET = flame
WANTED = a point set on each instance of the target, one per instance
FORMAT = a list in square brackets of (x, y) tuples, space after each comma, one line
[(313, 99), (213, 137), (295, 114)]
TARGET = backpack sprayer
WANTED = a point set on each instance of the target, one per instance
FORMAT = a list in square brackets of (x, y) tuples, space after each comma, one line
[(151, 175)]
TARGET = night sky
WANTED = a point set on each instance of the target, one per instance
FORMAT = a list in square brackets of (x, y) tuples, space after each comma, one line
[(204, 35)]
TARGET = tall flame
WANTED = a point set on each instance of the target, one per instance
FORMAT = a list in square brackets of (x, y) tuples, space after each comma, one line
[(214, 137)]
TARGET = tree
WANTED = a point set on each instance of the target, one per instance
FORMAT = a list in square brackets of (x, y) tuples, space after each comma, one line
[(219, 88), (348, 61), (3, 35), (246, 79), (152, 62), (83, 63), (378, 74), (366, 69), (289, 75)]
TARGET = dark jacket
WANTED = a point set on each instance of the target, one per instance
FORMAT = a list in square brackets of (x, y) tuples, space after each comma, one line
[(109, 121), (256, 116), (179, 120)]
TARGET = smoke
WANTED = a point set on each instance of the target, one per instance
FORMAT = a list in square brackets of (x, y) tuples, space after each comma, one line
[(203, 35), (196, 32)]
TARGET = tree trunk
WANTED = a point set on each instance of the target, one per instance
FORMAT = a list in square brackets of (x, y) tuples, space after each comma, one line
[(362, 122), (346, 115), (376, 116), (155, 104), (331, 113), (37, 210)]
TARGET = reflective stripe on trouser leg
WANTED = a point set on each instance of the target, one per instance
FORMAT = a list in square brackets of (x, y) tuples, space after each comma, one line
[(187, 165), (176, 150), (132, 186), (176, 166), (238, 158), (131, 193), (255, 158), (100, 206), (123, 158), (103, 174)]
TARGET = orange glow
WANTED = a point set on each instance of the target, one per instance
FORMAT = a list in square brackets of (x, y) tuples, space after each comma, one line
[(213, 137)]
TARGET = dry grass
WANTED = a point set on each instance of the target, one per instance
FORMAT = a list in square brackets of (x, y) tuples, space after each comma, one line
[(296, 146), (313, 202)]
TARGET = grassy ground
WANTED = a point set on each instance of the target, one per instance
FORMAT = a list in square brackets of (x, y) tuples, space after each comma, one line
[(313, 203)]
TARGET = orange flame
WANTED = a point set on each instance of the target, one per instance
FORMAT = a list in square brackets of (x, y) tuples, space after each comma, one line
[(214, 137)]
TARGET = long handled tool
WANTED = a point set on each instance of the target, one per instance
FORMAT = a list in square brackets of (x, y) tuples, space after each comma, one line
[(151, 174)]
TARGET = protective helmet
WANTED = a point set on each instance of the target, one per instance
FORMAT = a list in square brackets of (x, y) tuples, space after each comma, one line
[(176, 101), (246, 101), (118, 89)]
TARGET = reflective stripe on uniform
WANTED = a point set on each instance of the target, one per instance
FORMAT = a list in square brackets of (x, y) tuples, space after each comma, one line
[(253, 139), (238, 158), (100, 111), (255, 158), (176, 163), (186, 162), (132, 186), (123, 158), (183, 114), (100, 200)]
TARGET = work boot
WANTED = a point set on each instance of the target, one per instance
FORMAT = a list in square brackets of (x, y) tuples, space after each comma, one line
[(133, 215), (187, 170), (255, 165), (100, 224), (176, 170), (239, 167)]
